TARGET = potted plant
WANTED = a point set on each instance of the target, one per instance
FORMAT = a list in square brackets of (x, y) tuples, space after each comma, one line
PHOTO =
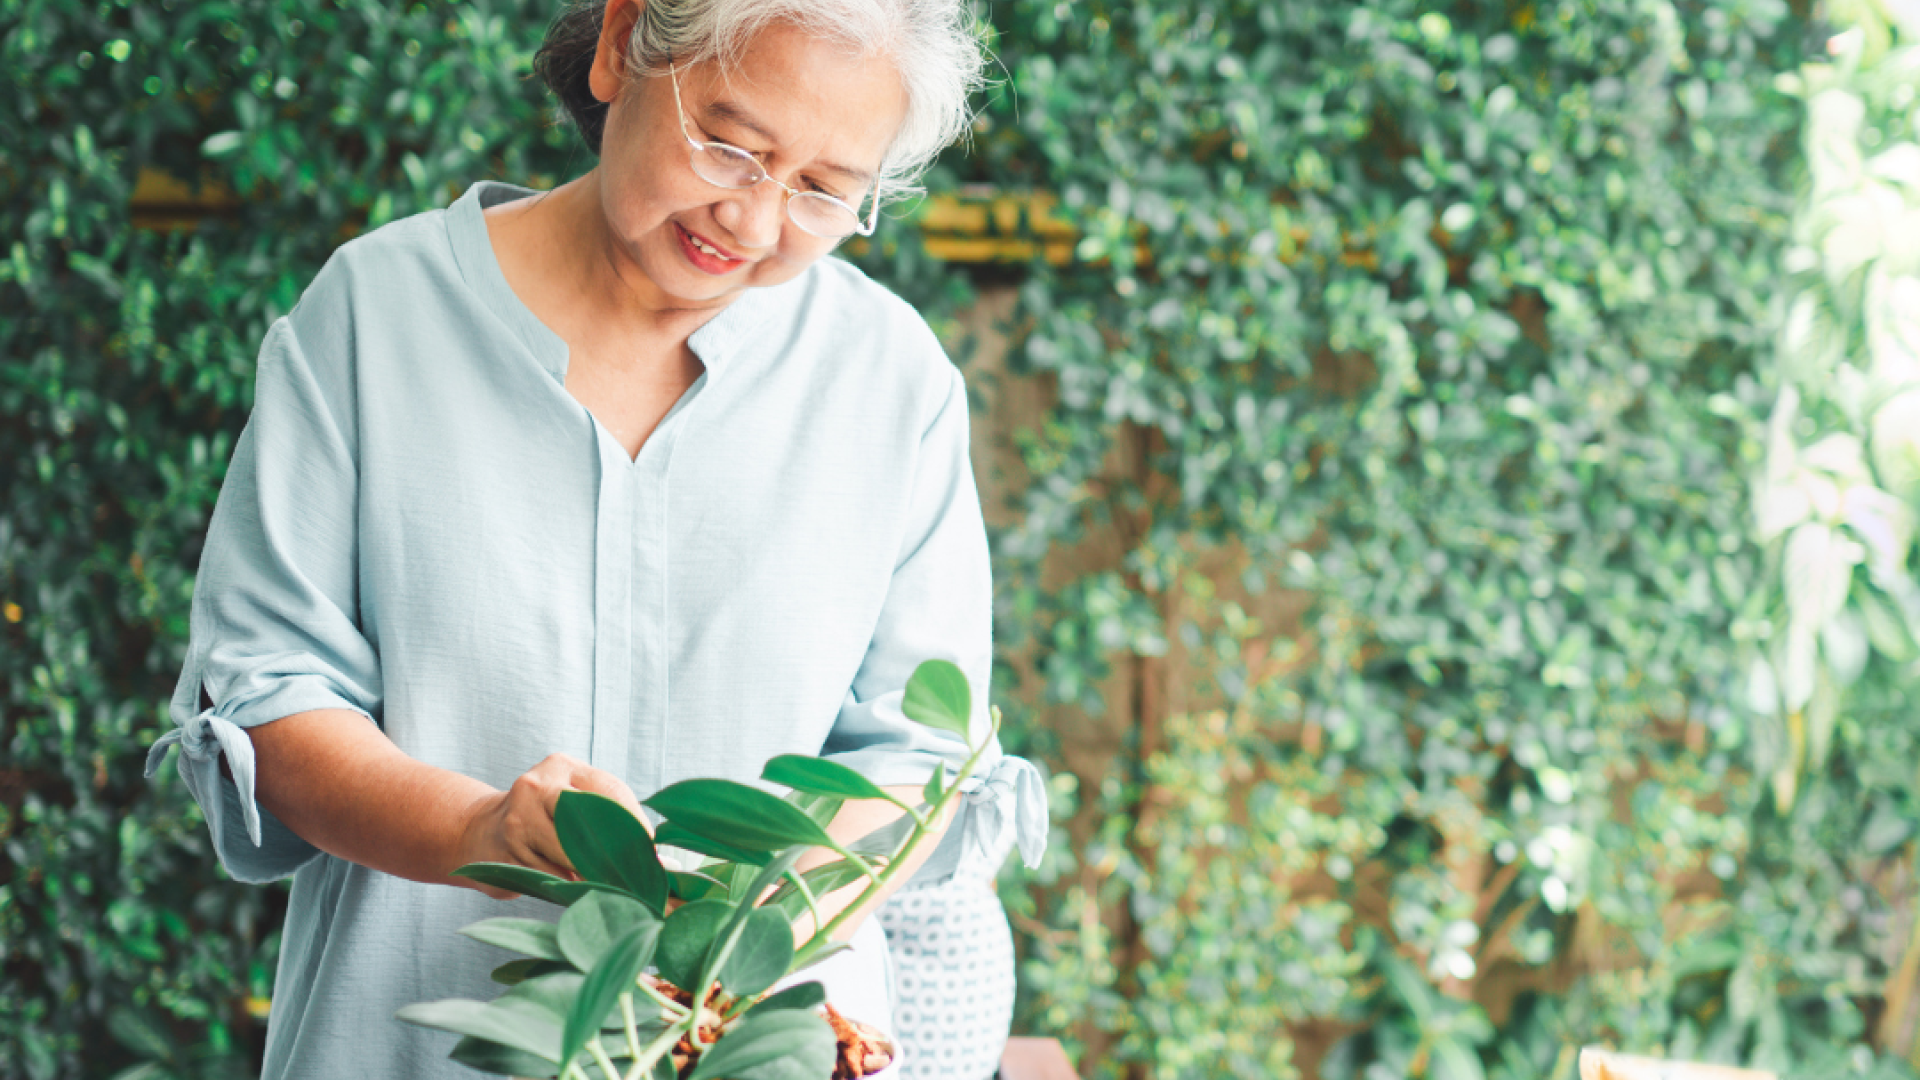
[(654, 972)]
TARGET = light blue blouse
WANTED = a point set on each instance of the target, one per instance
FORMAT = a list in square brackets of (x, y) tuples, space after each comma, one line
[(420, 524)]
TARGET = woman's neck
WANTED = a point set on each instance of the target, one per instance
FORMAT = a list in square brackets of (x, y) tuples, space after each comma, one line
[(562, 260)]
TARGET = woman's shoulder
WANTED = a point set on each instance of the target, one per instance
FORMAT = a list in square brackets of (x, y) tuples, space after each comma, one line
[(858, 319), (398, 267)]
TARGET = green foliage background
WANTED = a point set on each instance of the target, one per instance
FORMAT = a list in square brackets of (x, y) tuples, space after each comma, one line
[(1380, 579)]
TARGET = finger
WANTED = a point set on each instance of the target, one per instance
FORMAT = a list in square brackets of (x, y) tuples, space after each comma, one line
[(548, 858), (536, 846), (601, 782)]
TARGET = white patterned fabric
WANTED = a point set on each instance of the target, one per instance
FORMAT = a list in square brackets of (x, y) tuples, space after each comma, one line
[(953, 970)]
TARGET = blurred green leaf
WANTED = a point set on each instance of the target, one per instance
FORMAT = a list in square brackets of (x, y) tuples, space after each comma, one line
[(938, 696)]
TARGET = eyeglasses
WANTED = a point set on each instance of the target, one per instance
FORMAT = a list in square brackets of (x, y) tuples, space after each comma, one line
[(726, 166)]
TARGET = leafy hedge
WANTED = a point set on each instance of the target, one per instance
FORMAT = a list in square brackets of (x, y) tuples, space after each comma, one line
[(1377, 582), (1407, 390)]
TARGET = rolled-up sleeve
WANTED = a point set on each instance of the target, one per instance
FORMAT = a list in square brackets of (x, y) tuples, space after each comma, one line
[(275, 626), (939, 605)]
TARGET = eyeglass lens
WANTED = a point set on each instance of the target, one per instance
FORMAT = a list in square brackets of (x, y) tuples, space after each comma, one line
[(731, 167)]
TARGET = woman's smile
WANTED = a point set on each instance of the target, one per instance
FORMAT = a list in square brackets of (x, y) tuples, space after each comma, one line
[(704, 254)]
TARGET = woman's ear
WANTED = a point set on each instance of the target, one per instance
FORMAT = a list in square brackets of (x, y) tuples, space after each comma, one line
[(610, 57)]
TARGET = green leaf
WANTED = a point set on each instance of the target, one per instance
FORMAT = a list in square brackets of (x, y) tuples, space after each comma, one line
[(607, 844), (827, 952), (519, 1031), (1886, 828), (515, 972), (936, 786), (821, 880), (140, 1035), (491, 1057), (686, 937), (737, 815), (590, 927), (821, 808), (939, 697), (818, 776), (532, 937), (1704, 955), (675, 836), (769, 876), (785, 1044), (693, 885), (526, 882), (740, 879), (1412, 990), (1454, 1061), (612, 976), (222, 144), (546, 996), (761, 955), (885, 840), (760, 885), (1885, 628), (806, 995)]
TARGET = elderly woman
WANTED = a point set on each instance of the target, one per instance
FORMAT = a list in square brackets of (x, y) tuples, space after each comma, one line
[(597, 488)]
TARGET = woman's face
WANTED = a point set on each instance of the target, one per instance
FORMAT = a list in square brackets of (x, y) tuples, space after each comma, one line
[(817, 119)]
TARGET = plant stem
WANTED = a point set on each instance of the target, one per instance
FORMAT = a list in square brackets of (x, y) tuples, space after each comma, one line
[(672, 1007), (633, 1030), (879, 881), (644, 1060), (601, 1059), (897, 801), (813, 906), (865, 866)]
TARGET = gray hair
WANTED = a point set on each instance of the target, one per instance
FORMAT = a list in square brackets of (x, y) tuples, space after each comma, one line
[(931, 43)]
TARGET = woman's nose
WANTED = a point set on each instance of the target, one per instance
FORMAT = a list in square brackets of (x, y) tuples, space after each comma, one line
[(754, 215)]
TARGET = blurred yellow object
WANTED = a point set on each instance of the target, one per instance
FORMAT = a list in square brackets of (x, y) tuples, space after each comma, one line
[(1598, 1064)]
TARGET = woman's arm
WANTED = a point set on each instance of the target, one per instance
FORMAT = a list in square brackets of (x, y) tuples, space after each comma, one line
[(341, 785), (856, 819)]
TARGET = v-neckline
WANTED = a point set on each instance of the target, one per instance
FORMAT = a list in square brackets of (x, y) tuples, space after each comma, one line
[(714, 343)]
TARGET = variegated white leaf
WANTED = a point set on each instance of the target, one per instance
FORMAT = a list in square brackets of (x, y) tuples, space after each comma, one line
[(1895, 434), (1884, 524), (1819, 571), (1843, 644), (1799, 661), (1839, 454)]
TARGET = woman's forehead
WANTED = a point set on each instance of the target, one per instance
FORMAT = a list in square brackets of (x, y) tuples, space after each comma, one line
[(727, 111), (790, 89)]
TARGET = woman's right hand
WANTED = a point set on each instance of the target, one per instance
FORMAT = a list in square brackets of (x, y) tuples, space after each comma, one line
[(516, 825)]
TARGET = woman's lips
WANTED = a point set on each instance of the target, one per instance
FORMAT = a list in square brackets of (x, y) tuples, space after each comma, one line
[(705, 260)]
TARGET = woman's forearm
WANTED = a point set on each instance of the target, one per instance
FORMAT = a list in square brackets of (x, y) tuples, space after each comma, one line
[(856, 819), (341, 785)]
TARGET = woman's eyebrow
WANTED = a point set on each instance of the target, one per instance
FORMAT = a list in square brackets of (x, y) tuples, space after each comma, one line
[(727, 112)]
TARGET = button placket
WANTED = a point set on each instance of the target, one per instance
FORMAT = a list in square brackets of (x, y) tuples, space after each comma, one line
[(612, 616), (649, 542)]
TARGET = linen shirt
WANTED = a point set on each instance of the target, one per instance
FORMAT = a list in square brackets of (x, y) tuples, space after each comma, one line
[(420, 524)]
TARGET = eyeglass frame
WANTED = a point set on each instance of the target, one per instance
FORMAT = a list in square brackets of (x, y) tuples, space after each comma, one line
[(695, 146)]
